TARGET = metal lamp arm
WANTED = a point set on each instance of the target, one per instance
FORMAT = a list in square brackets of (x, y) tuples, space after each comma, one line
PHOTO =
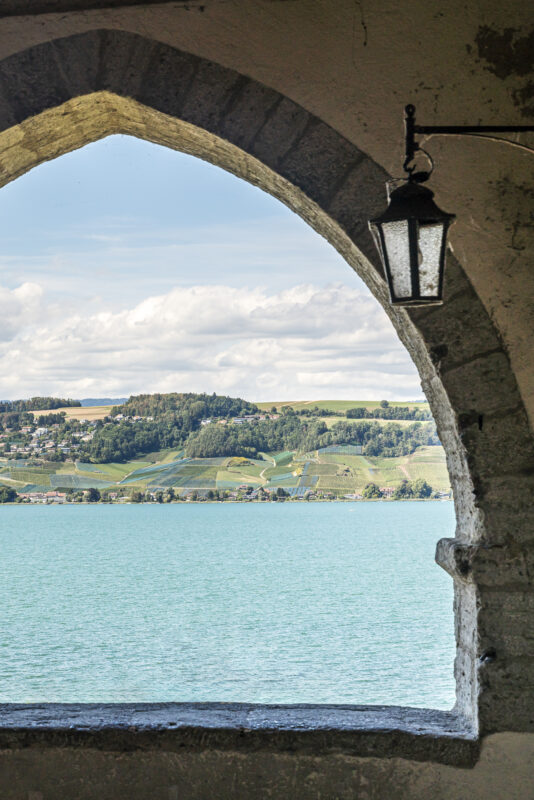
[(411, 129)]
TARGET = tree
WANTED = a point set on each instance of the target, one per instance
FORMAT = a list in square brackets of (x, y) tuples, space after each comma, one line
[(7, 495), (93, 495), (372, 492), (421, 488), (403, 491), (384, 404), (356, 413), (137, 497), (170, 495)]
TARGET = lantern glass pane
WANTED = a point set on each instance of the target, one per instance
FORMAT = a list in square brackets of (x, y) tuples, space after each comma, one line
[(397, 244), (429, 251)]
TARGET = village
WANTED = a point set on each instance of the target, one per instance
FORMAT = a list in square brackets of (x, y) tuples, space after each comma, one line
[(34, 439)]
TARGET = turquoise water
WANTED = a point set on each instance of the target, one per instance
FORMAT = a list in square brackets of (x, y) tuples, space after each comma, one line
[(319, 603)]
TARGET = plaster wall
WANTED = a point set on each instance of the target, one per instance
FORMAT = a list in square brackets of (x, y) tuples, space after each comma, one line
[(503, 772)]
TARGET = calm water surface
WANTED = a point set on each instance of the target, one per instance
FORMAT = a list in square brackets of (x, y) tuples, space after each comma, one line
[(321, 603)]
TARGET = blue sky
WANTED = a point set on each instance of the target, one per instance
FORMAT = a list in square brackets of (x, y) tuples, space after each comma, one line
[(127, 267)]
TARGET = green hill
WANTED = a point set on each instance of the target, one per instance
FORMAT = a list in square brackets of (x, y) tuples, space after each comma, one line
[(160, 442)]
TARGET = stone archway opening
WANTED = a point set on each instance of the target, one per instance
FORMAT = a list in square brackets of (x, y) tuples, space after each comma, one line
[(409, 686), (103, 82)]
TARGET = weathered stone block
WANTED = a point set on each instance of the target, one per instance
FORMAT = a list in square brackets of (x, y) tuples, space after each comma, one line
[(465, 616), (507, 503), (466, 683), (483, 385), (458, 331), (248, 113), (163, 81), (79, 58), (499, 444), (506, 623), (281, 130), (212, 89), (361, 196), (319, 162), (32, 82), (506, 689)]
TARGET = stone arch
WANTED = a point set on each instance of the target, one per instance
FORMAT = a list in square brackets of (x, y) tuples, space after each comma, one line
[(58, 96)]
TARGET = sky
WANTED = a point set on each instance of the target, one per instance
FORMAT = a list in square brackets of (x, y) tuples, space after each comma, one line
[(126, 267)]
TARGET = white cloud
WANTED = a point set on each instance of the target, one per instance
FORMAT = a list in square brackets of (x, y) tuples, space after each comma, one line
[(18, 307), (304, 342)]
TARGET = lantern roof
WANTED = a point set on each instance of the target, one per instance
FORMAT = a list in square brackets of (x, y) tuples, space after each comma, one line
[(412, 201)]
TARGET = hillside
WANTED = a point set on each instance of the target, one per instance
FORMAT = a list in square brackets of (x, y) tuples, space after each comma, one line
[(336, 471), (312, 450)]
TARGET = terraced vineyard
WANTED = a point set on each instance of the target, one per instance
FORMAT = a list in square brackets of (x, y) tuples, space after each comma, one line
[(337, 470)]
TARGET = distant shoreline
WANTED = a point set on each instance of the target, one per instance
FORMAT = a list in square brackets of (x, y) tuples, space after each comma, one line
[(248, 502)]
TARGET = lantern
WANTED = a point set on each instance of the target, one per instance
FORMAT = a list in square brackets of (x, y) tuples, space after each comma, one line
[(411, 237)]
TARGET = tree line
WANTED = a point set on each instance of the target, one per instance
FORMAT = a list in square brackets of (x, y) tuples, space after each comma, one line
[(290, 433), (195, 406), (407, 490), (37, 404), (124, 441)]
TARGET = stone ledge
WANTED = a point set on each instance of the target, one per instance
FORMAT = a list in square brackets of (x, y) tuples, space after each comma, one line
[(369, 731), (490, 566)]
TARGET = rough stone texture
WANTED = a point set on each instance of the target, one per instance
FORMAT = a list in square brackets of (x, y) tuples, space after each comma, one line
[(281, 94), (417, 734)]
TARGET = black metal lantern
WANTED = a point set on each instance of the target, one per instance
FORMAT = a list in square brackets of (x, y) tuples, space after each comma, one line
[(411, 237), (411, 234)]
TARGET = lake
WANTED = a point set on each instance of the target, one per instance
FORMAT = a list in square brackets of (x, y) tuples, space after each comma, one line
[(268, 603)]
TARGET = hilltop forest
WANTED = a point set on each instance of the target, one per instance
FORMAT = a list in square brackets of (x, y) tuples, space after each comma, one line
[(192, 420)]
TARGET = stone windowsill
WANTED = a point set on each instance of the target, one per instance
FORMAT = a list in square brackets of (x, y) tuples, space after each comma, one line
[(365, 731)]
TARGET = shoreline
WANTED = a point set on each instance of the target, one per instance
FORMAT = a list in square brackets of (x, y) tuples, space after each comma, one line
[(246, 502)]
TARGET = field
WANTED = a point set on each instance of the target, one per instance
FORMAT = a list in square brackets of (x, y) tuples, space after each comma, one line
[(79, 412), (99, 412), (337, 470), (340, 405)]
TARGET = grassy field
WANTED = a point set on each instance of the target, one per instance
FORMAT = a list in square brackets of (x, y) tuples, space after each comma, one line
[(339, 405), (78, 412)]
